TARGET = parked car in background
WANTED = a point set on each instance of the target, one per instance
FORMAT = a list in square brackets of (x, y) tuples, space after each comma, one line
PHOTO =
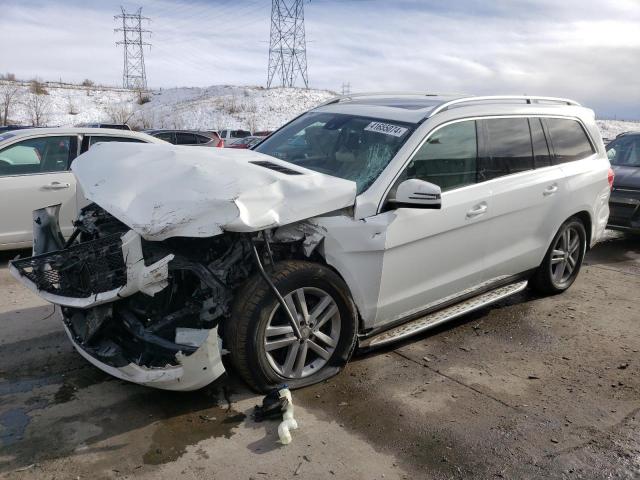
[(112, 126), (8, 128), (262, 133), (246, 142), (215, 135), (187, 137), (624, 155), (228, 135), (34, 173), (404, 212)]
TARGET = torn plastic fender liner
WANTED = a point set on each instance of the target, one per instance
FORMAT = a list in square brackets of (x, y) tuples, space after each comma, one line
[(47, 236), (140, 278), (189, 374)]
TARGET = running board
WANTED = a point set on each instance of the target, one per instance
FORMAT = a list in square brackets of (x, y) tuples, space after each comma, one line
[(440, 316)]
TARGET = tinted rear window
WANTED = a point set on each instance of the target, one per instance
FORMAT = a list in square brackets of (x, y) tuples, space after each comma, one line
[(185, 138), (570, 141), (507, 147), (95, 139)]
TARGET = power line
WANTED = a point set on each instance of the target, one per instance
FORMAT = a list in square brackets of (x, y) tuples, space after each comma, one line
[(287, 45), (134, 75)]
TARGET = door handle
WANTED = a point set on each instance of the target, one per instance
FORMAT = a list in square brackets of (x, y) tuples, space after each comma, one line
[(550, 190), (479, 209), (56, 186)]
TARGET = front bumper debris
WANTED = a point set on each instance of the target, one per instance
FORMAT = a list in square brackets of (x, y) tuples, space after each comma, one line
[(93, 273), (192, 372), (119, 312)]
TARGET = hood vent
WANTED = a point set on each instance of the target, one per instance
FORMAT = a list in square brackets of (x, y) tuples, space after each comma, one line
[(276, 167)]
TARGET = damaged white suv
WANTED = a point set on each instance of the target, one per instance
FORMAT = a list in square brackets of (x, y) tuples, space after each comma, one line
[(362, 221)]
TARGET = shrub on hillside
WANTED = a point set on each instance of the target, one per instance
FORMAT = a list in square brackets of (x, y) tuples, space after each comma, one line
[(37, 87)]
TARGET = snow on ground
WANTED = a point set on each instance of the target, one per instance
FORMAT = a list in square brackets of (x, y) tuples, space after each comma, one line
[(611, 128), (215, 108)]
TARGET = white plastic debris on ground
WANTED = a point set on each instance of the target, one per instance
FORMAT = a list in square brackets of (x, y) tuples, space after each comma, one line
[(288, 422)]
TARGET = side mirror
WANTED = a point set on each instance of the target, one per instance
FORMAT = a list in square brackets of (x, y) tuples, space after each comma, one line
[(414, 193)]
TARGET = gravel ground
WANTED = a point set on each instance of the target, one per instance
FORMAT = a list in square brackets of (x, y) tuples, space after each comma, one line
[(531, 387)]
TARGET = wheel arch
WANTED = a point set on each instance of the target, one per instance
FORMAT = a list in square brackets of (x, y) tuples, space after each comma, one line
[(585, 217), (319, 257)]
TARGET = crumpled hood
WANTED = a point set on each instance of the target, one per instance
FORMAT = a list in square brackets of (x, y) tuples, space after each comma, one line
[(163, 191)]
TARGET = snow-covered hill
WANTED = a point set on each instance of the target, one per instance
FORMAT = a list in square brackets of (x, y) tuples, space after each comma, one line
[(217, 107), (610, 128), (214, 107)]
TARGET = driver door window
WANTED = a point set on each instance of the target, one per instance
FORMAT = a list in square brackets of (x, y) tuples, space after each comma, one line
[(448, 158), (37, 155)]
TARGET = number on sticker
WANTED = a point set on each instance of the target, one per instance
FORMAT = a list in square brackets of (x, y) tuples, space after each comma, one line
[(386, 128)]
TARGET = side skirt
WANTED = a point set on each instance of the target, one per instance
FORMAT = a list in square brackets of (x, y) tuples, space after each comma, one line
[(430, 320)]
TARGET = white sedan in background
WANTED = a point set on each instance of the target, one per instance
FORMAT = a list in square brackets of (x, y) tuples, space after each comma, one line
[(34, 173)]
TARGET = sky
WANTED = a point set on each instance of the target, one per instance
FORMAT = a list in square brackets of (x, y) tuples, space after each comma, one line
[(588, 50)]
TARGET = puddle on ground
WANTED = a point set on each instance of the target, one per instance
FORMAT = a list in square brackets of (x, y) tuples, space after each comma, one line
[(172, 436), (12, 425)]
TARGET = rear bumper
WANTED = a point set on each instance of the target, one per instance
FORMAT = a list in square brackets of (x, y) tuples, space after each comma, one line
[(624, 205)]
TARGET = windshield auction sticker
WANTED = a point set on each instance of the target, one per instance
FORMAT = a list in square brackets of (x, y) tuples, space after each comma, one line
[(386, 128)]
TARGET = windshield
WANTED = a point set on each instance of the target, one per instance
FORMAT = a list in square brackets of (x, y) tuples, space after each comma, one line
[(346, 146), (625, 151)]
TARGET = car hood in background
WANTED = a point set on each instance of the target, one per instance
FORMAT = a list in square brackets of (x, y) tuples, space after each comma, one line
[(626, 177), (163, 191)]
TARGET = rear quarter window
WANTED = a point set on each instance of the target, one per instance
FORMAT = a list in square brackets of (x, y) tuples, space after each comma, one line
[(570, 141)]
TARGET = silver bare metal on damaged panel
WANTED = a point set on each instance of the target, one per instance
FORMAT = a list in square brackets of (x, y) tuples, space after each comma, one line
[(287, 44)]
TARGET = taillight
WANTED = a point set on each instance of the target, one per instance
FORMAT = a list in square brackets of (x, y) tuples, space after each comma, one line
[(220, 144), (610, 178)]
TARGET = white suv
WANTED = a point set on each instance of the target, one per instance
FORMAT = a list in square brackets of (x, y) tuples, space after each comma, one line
[(34, 173), (362, 221)]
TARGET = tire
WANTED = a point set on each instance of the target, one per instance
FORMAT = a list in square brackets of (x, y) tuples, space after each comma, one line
[(267, 359), (558, 271)]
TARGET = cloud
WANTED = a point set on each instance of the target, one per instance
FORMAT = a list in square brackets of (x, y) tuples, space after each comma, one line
[(589, 51)]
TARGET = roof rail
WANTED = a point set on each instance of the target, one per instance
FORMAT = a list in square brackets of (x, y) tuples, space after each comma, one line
[(340, 98), (497, 99)]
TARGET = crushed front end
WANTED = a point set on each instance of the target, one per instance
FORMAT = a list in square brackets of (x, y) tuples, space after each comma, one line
[(147, 312)]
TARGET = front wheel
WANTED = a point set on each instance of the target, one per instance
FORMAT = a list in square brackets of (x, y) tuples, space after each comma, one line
[(264, 348), (563, 260)]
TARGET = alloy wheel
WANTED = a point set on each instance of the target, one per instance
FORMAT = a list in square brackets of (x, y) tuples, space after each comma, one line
[(318, 318), (565, 255)]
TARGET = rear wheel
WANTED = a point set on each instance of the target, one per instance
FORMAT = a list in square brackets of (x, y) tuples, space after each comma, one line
[(264, 348), (563, 260)]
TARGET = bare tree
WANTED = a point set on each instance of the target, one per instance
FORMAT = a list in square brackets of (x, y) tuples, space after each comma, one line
[(9, 95), (252, 122), (38, 108), (120, 113)]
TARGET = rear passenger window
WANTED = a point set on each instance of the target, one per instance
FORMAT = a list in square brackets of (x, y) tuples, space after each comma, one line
[(203, 139), (185, 138), (448, 158), (166, 136), (507, 148), (569, 140), (541, 155), (96, 139)]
